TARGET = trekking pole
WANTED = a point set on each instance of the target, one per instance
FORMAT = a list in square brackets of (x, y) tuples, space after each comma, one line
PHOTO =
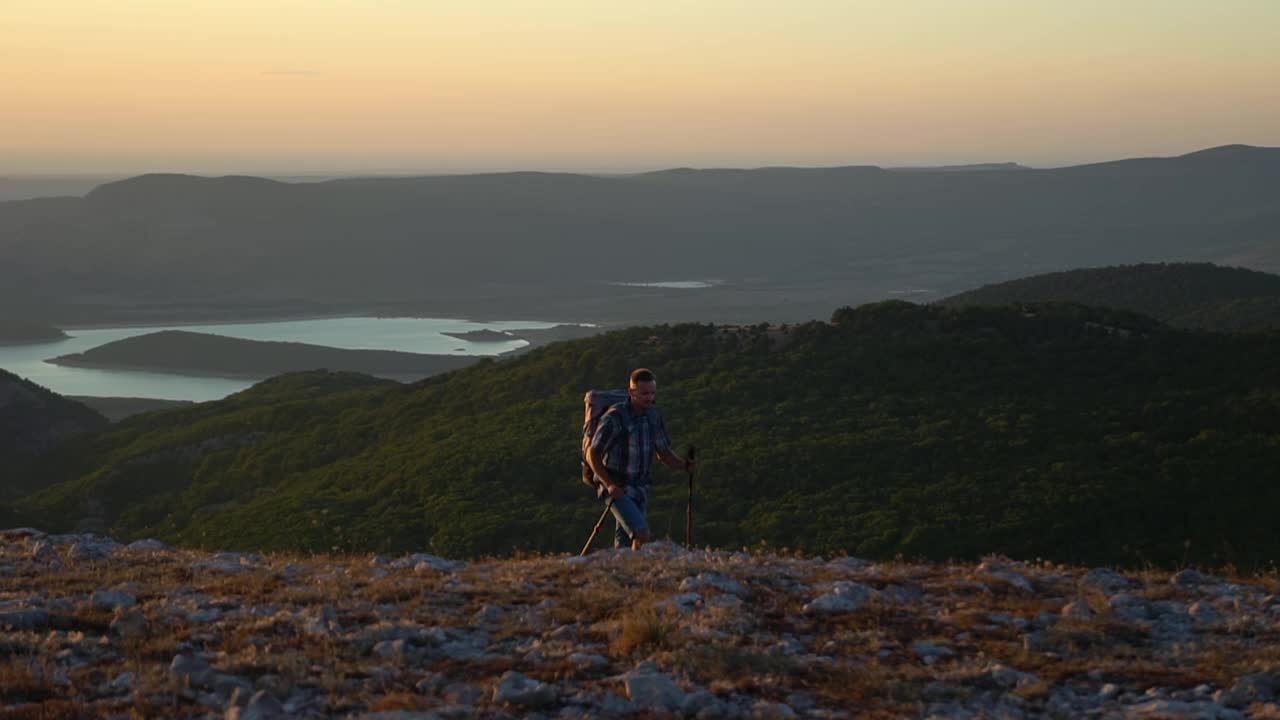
[(607, 507), (688, 518)]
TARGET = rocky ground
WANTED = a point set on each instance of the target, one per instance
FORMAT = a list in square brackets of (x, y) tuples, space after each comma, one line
[(92, 628)]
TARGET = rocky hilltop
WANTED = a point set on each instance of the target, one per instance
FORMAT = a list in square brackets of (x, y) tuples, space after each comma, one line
[(93, 628)]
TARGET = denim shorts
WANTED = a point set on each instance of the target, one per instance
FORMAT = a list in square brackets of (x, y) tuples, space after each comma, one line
[(629, 513)]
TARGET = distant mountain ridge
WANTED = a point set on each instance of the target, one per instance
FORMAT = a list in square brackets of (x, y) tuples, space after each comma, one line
[(1188, 295), (789, 243)]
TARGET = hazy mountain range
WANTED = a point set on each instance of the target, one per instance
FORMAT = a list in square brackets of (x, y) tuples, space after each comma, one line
[(781, 243)]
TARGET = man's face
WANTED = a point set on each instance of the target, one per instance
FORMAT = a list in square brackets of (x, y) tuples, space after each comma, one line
[(644, 395)]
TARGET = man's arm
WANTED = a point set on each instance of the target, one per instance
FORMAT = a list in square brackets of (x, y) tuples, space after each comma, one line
[(674, 461), (596, 451), (595, 458)]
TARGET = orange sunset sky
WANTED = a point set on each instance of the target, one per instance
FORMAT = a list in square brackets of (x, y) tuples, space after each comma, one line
[(422, 86)]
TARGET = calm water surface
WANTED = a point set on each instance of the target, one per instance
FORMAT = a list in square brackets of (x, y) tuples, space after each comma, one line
[(420, 335)]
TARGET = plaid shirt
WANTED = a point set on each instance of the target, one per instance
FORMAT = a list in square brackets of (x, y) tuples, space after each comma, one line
[(628, 456)]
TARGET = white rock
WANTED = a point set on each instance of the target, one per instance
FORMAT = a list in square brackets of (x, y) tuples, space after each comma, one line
[(845, 597), (123, 682), (389, 649), (192, 668), (1009, 677), (831, 604), (1163, 708), (716, 580), (516, 689), (425, 562), (1001, 569), (765, 710), (652, 690), (148, 545)]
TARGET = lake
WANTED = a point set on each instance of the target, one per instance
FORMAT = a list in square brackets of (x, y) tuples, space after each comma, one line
[(418, 335)]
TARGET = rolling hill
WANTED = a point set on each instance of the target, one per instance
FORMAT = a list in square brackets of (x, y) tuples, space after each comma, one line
[(1054, 431), (1187, 295), (33, 421)]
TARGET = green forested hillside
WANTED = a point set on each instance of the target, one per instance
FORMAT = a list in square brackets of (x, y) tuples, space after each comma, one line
[(33, 421), (1058, 432), (1188, 295)]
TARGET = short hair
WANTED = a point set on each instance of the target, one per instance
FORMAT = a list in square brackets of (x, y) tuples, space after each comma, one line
[(642, 375)]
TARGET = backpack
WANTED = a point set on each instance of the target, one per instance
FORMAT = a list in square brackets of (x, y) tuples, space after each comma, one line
[(595, 404)]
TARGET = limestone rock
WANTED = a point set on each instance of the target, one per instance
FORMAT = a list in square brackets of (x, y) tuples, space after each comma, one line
[(516, 689), (652, 690)]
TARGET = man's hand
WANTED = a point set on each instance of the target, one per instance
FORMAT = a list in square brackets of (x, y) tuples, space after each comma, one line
[(675, 462), (615, 491)]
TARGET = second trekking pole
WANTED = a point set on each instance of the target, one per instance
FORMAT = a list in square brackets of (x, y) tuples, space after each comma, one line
[(688, 517), (596, 530)]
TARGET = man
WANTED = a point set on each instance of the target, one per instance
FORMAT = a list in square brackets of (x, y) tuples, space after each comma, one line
[(621, 460)]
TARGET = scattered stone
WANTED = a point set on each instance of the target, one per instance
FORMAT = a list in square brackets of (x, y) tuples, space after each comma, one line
[(1107, 580), (24, 619), (724, 602), (424, 563), (110, 600), (146, 546), (1128, 607), (190, 668), (1078, 610), (462, 693), (587, 660), (516, 689), (129, 624), (652, 690), (487, 615), (765, 710), (1008, 677), (716, 580), (1191, 578), (389, 649), (845, 597), (1203, 613), (929, 652), (1000, 569)]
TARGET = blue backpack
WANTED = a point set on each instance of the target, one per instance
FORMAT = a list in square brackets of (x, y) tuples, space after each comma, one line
[(595, 404)]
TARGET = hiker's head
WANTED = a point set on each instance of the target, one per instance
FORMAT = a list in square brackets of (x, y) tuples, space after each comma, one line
[(643, 388)]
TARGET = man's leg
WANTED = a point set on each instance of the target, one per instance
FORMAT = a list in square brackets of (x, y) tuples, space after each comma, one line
[(628, 512)]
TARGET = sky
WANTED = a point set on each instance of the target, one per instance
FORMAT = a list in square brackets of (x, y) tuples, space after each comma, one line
[(405, 86)]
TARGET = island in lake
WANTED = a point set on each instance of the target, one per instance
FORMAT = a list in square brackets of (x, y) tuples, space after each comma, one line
[(482, 336), (535, 337), (189, 353)]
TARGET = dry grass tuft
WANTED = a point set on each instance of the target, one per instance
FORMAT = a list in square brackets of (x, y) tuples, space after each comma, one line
[(645, 630)]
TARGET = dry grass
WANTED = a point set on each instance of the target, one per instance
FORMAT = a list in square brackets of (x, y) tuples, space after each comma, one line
[(644, 630)]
